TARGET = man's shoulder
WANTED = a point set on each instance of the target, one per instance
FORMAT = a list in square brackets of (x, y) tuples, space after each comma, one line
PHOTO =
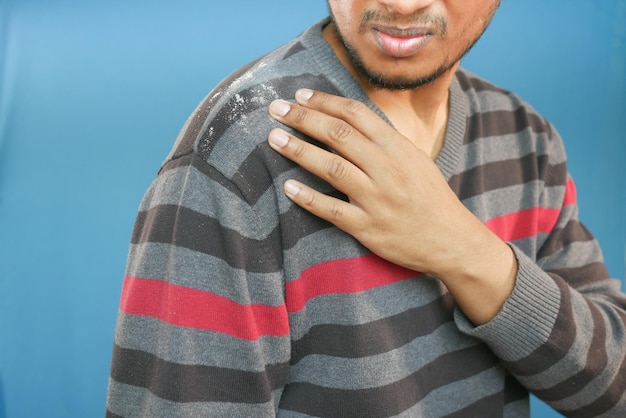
[(499, 116), (486, 101), (234, 114), (485, 94)]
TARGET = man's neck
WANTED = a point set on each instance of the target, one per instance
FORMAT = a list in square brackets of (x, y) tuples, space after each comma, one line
[(420, 114)]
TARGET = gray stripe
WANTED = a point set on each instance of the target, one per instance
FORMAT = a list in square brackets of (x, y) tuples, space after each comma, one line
[(613, 375), (314, 248), (380, 303), (458, 395), (391, 399), (498, 174), (574, 255), (189, 268), (207, 197), (578, 247), (510, 199), (493, 149), (198, 347), (567, 366), (517, 409), (189, 229), (494, 101)]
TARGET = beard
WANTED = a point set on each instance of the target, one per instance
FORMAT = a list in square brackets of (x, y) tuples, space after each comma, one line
[(389, 82), (384, 81)]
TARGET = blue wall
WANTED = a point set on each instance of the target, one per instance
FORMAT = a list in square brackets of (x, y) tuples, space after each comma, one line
[(92, 95)]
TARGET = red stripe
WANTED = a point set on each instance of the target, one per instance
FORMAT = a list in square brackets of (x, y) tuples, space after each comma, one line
[(570, 193), (350, 275), (529, 222), (193, 308), (524, 224)]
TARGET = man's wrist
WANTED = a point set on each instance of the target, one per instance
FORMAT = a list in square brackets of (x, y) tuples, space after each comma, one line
[(483, 279)]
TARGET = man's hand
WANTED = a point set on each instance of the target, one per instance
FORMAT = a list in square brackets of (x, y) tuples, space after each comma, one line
[(400, 205)]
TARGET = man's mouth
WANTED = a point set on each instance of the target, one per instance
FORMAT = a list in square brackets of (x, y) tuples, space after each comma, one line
[(401, 43)]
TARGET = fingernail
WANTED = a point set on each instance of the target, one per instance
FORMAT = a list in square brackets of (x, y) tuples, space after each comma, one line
[(304, 94), (291, 188), (278, 138), (280, 107)]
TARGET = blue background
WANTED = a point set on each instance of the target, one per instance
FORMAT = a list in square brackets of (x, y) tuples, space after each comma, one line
[(92, 95)]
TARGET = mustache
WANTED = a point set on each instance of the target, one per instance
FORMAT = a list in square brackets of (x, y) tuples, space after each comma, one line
[(420, 18)]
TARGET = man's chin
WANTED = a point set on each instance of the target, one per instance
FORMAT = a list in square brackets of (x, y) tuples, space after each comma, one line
[(388, 81), (398, 83)]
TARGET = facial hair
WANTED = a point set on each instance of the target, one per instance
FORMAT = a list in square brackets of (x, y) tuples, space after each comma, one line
[(383, 81)]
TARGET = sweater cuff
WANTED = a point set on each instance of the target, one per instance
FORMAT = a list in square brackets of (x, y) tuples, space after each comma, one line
[(526, 319)]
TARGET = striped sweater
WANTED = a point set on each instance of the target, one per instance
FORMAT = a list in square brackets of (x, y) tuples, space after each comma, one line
[(238, 303)]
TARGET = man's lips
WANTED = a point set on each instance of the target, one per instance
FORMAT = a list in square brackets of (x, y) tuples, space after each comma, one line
[(401, 43)]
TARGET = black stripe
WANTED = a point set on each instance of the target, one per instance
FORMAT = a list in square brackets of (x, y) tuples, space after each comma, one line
[(504, 122), (250, 182), (489, 407), (484, 124), (572, 232), (556, 175), (583, 276), (597, 359), (611, 396), (193, 160), (295, 49), (468, 82), (513, 390), (354, 341), (559, 342), (497, 175), (194, 383), (295, 215), (301, 224), (391, 399), (255, 174), (258, 171), (186, 228)]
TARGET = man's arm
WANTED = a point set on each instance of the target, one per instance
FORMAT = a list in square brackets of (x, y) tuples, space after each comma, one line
[(202, 327), (400, 205), (557, 323)]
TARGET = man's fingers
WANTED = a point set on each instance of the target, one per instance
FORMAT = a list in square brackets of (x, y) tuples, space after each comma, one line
[(354, 112), (338, 134), (342, 214), (333, 168)]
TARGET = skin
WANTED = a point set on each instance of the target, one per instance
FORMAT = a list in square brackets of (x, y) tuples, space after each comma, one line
[(404, 55)]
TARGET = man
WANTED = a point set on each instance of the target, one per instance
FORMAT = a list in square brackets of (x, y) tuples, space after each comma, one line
[(399, 239)]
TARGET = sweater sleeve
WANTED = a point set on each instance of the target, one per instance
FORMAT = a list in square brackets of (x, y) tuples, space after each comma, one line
[(562, 332), (202, 328)]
